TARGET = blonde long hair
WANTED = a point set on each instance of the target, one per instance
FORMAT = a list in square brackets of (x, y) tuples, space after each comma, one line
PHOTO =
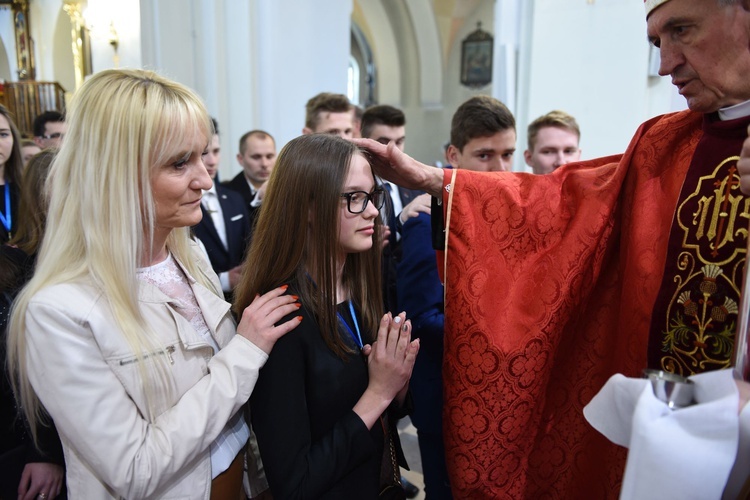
[(122, 124)]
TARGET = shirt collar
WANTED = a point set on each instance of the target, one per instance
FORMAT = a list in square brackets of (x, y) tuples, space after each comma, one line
[(250, 185), (740, 110)]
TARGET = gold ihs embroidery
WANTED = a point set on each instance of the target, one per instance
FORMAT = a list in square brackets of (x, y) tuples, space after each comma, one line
[(717, 214), (713, 228), (701, 315)]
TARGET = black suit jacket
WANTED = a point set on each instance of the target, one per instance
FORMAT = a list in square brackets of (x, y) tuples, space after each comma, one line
[(301, 410), (16, 446), (392, 251), (237, 224), (239, 185)]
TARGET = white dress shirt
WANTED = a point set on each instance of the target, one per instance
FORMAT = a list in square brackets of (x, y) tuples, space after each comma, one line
[(210, 202)]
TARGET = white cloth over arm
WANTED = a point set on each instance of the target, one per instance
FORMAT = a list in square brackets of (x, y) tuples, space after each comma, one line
[(685, 453)]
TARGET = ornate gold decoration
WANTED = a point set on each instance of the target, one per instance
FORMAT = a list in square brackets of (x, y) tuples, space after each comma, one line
[(73, 9), (701, 317), (24, 43)]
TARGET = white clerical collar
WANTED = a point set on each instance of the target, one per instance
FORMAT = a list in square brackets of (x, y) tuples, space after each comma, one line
[(740, 110)]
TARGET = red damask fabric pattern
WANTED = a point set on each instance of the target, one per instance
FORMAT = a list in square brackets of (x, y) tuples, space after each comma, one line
[(550, 282)]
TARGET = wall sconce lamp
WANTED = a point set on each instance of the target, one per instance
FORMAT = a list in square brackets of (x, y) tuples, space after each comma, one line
[(114, 41)]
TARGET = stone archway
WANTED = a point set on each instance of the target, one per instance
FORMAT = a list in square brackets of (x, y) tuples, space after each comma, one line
[(4, 62), (375, 23)]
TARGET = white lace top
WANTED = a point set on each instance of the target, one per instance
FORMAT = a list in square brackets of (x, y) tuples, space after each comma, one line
[(168, 277)]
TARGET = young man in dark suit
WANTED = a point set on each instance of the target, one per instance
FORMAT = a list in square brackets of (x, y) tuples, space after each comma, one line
[(257, 157), (386, 124), (225, 227)]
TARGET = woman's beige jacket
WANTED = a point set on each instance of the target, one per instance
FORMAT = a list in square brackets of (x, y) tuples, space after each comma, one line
[(87, 377)]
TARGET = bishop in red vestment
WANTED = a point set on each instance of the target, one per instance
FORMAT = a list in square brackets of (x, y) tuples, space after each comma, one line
[(554, 283)]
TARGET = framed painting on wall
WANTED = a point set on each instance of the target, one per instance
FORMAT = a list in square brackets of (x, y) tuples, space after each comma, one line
[(476, 58)]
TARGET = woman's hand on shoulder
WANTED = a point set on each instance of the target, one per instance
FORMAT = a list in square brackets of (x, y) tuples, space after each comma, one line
[(258, 321)]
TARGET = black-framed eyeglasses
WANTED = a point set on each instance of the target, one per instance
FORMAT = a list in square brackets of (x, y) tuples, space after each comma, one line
[(356, 201), (56, 135)]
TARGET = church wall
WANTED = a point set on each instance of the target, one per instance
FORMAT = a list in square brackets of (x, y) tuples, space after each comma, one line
[(373, 17), (44, 19), (590, 59), (407, 40), (309, 55), (124, 16), (9, 66), (255, 63), (63, 66), (46, 30), (4, 62), (429, 126), (50, 29)]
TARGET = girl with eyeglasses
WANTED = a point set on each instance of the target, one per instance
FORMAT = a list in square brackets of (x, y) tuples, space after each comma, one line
[(325, 403)]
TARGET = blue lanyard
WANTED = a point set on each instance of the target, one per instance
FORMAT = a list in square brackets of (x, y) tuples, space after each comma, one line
[(358, 338), (6, 219)]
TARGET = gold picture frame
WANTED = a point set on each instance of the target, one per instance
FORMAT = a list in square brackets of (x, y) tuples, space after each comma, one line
[(476, 58), (24, 43)]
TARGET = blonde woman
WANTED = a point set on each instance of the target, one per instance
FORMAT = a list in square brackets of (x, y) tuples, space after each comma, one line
[(118, 333)]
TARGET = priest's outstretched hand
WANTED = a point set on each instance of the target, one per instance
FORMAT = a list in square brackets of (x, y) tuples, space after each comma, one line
[(391, 163)]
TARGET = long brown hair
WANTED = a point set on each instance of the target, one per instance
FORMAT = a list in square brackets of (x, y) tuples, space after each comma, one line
[(14, 164), (32, 213), (296, 238)]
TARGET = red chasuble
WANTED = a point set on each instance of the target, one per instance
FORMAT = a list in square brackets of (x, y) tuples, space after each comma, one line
[(552, 283)]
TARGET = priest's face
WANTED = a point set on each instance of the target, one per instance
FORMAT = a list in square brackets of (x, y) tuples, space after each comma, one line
[(705, 47)]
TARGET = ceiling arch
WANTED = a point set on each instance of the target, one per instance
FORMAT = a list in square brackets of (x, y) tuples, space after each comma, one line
[(428, 47), (385, 50)]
